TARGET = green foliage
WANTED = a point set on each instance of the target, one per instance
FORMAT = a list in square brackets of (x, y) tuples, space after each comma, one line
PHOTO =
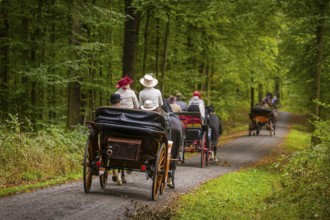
[(304, 190), (30, 156)]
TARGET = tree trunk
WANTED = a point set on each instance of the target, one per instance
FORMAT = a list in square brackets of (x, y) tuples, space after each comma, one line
[(74, 99), (165, 53), (252, 96), (4, 60), (157, 47), (260, 92), (130, 40), (277, 88), (318, 68), (145, 52)]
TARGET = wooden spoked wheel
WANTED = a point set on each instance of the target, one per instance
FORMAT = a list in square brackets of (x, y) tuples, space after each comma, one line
[(104, 178), (87, 171), (159, 172)]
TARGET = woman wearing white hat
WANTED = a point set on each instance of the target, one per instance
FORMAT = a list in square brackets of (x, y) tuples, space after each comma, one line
[(149, 92)]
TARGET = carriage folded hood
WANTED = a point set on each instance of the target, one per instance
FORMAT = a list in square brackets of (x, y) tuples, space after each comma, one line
[(134, 120)]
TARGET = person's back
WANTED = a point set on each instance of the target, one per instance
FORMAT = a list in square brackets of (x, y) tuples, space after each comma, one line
[(129, 99), (174, 106), (197, 104), (149, 92), (181, 103)]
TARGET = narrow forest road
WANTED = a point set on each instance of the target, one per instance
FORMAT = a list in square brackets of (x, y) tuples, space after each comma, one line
[(70, 202)]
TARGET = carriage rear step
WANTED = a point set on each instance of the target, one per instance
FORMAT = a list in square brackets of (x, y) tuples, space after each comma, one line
[(125, 148)]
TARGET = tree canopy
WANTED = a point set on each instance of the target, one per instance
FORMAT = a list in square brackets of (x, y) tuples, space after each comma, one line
[(60, 60)]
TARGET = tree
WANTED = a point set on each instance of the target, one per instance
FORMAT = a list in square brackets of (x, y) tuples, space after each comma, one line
[(130, 40)]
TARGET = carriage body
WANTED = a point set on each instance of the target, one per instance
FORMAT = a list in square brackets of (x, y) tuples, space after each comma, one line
[(196, 136), (260, 117), (127, 139)]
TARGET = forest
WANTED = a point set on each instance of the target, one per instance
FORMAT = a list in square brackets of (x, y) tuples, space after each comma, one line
[(61, 59)]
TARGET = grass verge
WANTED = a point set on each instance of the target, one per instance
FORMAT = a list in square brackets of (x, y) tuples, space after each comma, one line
[(37, 185), (249, 193)]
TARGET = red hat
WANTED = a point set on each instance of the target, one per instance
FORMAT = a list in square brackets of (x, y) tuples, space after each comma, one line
[(196, 93), (124, 81)]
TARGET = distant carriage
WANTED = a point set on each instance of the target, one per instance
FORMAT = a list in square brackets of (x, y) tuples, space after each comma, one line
[(260, 117), (197, 136), (127, 139)]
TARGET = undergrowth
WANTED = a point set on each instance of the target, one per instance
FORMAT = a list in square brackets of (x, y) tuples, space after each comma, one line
[(28, 156)]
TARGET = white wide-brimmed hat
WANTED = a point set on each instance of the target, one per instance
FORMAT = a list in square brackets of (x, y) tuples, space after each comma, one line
[(148, 105), (148, 81)]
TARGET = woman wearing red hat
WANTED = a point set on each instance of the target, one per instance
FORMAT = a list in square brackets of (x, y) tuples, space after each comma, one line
[(129, 98)]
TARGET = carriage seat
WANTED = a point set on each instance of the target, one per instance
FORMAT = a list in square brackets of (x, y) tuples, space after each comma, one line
[(190, 119), (130, 120)]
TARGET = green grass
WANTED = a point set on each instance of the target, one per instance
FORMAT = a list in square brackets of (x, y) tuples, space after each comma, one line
[(31, 186), (297, 139), (252, 193), (236, 195)]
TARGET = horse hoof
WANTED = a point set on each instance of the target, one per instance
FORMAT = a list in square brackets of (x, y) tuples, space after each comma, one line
[(124, 180), (114, 178), (119, 181)]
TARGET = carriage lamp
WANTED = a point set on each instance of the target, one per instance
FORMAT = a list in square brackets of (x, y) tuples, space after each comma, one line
[(143, 167), (98, 163)]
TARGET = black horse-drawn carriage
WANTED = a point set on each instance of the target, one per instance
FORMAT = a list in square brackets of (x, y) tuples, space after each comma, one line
[(259, 117), (196, 136), (127, 139)]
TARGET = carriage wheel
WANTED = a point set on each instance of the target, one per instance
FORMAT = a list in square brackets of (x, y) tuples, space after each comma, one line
[(104, 178), (204, 151), (159, 172), (87, 175)]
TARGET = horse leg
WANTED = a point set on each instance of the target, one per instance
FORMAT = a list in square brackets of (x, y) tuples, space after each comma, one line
[(170, 178), (119, 180), (173, 174), (114, 175), (215, 153), (123, 176)]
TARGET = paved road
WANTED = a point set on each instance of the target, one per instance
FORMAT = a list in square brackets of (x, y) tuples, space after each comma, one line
[(69, 201)]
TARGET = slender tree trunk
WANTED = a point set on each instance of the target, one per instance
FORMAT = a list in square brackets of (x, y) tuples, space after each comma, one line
[(157, 46), (23, 81), (74, 93), (165, 53), (35, 87), (130, 40), (145, 52), (277, 88), (52, 102), (260, 92), (318, 68), (4, 60), (252, 96)]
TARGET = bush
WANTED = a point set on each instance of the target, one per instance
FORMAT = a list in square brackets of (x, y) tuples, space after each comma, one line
[(44, 154), (305, 192)]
